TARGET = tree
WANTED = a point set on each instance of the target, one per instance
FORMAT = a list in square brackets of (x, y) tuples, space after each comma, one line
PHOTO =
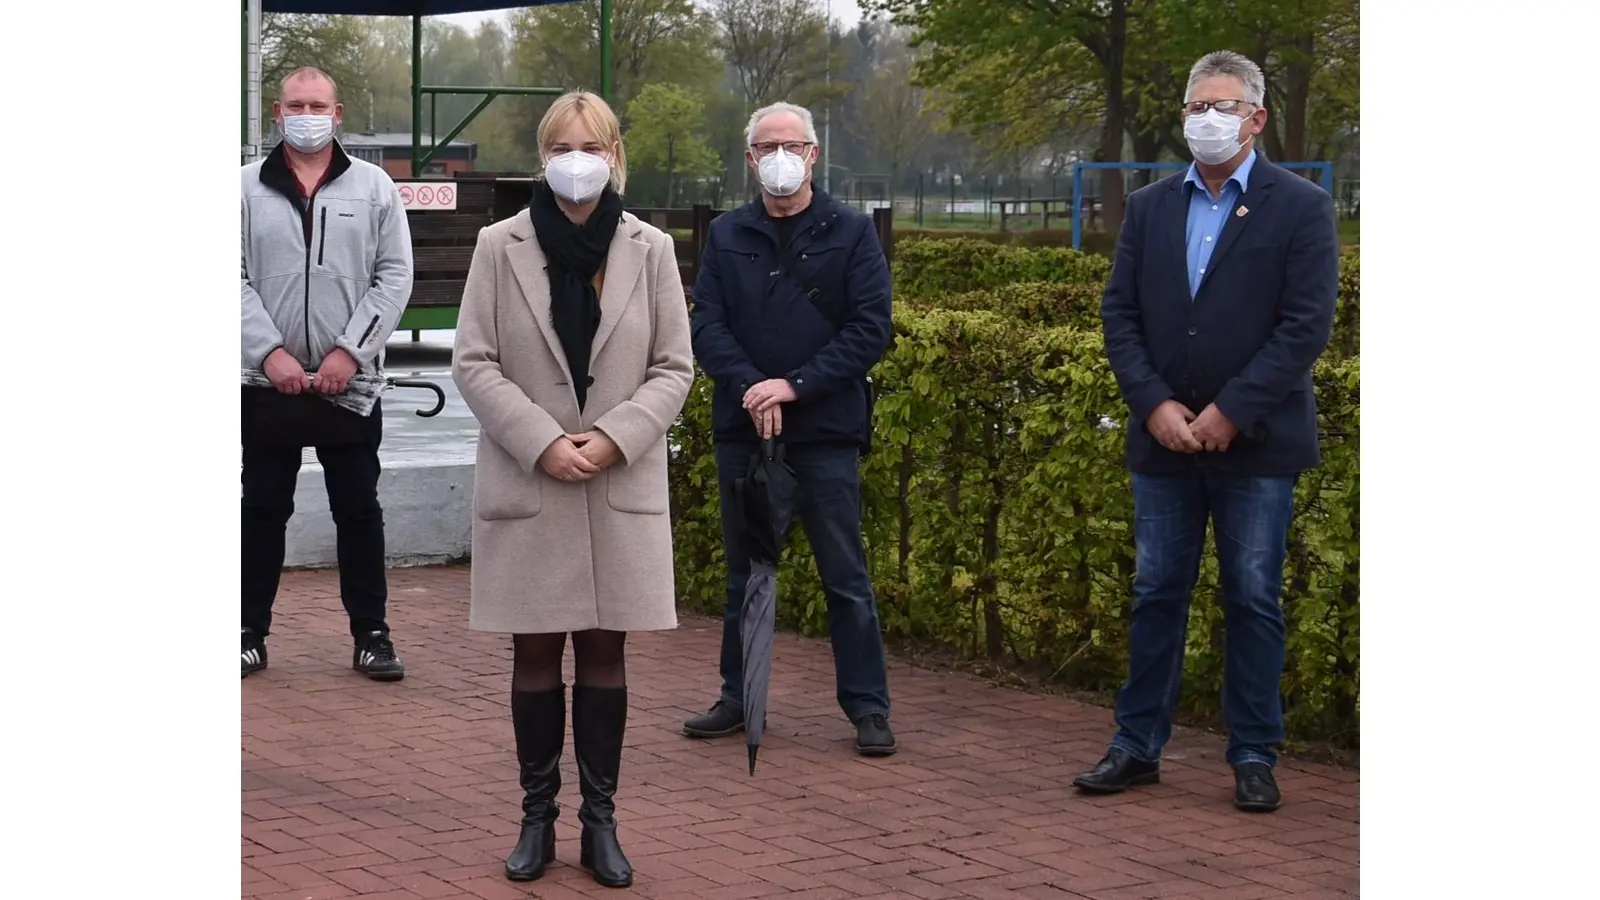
[(338, 45), (890, 115), (981, 51), (776, 48), (665, 126), (1308, 50), (653, 41)]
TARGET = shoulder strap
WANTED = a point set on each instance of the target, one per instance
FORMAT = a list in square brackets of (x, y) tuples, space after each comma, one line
[(812, 292)]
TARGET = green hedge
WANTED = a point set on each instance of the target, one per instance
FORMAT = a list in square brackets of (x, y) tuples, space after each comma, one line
[(931, 268), (998, 512), (1058, 286)]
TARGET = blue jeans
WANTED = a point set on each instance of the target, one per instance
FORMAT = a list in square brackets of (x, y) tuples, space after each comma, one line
[(828, 504), (1250, 517)]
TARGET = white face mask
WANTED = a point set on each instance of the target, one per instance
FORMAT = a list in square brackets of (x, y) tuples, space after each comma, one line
[(308, 134), (1214, 137), (576, 176), (782, 173)]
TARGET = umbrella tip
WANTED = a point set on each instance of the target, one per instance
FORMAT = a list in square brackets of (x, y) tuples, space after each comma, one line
[(752, 752)]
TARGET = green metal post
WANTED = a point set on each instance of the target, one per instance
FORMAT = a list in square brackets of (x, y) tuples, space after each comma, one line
[(416, 96), (605, 50), (244, 75)]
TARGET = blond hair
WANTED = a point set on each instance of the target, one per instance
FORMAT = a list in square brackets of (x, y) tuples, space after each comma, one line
[(596, 116)]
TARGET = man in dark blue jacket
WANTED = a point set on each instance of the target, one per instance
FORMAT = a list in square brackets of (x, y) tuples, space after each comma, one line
[(791, 310), (1220, 302)]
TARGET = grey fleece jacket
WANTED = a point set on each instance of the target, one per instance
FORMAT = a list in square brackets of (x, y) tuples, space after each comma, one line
[(332, 271)]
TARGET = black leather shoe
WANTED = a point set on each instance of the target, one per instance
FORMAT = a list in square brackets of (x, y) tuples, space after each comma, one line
[(539, 719), (599, 718), (719, 721), (873, 737), (1255, 790), (1117, 772), (376, 659)]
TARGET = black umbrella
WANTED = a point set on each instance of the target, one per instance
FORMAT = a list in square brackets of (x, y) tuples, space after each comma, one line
[(765, 500)]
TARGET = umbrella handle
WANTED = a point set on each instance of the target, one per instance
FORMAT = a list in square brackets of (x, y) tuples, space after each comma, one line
[(769, 448), (438, 394)]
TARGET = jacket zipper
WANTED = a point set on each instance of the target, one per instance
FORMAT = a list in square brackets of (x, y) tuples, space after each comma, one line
[(371, 326), (311, 204), (322, 238)]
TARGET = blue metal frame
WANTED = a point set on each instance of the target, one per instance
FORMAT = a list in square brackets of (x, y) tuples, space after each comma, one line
[(1326, 168)]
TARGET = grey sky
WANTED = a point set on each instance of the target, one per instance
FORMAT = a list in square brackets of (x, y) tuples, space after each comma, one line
[(846, 11)]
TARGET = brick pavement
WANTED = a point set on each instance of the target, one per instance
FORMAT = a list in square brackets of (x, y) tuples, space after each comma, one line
[(353, 788)]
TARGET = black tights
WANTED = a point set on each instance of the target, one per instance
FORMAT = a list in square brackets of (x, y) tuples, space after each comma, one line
[(597, 658)]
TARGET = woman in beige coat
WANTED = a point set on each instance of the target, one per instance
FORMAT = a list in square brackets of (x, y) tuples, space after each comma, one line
[(573, 353)]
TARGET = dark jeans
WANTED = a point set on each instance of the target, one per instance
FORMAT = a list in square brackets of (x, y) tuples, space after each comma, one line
[(351, 474), (829, 507), (1250, 517)]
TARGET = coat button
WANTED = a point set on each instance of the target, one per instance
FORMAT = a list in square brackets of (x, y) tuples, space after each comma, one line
[(591, 381), (1193, 332)]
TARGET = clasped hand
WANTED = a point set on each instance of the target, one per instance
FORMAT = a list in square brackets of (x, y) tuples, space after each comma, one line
[(579, 457), (764, 402), (1177, 428)]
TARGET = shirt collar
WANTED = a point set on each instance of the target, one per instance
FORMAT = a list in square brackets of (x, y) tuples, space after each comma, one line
[(1240, 176)]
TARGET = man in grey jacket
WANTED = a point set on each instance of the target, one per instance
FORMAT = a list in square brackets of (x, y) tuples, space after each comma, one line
[(326, 273)]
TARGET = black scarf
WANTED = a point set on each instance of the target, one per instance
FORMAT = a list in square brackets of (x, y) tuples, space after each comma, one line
[(575, 254)]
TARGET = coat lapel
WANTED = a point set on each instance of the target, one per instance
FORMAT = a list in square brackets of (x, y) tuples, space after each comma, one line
[(624, 262), (528, 266), (1177, 220), (1245, 211)]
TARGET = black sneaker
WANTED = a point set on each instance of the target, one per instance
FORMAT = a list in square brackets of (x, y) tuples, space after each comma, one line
[(873, 737), (375, 658), (720, 721), (253, 653)]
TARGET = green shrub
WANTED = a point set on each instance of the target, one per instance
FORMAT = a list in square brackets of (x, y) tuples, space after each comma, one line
[(1055, 286), (929, 269), (998, 513)]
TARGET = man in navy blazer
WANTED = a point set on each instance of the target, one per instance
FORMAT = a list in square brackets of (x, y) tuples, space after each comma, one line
[(1219, 303)]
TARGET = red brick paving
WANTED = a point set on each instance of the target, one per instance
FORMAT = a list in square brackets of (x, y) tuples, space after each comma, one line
[(358, 789)]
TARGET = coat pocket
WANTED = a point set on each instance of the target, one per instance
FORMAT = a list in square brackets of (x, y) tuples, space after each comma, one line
[(640, 488), (500, 489)]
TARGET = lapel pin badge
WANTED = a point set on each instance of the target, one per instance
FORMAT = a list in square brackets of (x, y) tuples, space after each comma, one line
[(1241, 211)]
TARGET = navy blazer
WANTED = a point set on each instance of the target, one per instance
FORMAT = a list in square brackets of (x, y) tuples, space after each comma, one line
[(1247, 340), (752, 321)]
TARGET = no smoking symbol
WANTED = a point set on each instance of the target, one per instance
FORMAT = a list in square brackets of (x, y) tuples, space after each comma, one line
[(425, 196)]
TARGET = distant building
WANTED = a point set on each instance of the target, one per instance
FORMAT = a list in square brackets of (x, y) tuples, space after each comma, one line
[(392, 151)]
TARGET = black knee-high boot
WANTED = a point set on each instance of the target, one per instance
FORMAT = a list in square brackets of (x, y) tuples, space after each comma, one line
[(540, 721), (599, 717)]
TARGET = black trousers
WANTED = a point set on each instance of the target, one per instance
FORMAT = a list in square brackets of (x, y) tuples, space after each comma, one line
[(350, 472)]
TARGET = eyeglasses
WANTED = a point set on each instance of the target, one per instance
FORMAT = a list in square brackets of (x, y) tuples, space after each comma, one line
[(1200, 107), (767, 148)]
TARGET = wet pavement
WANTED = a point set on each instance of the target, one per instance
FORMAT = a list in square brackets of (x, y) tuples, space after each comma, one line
[(451, 437)]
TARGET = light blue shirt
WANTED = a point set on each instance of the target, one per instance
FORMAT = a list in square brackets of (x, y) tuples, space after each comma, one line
[(1207, 216)]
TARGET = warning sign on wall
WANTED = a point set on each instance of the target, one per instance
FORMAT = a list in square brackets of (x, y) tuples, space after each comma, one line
[(427, 195)]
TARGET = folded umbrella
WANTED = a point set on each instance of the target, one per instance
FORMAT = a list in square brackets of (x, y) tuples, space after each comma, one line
[(764, 498), (361, 395)]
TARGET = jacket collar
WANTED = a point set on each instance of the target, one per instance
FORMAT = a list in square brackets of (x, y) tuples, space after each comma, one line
[(276, 174)]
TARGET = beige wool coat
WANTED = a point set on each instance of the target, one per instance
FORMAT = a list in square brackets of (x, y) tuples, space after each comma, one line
[(548, 555)]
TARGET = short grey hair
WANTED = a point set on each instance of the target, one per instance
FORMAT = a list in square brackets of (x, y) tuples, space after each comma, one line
[(763, 112), (1237, 65)]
